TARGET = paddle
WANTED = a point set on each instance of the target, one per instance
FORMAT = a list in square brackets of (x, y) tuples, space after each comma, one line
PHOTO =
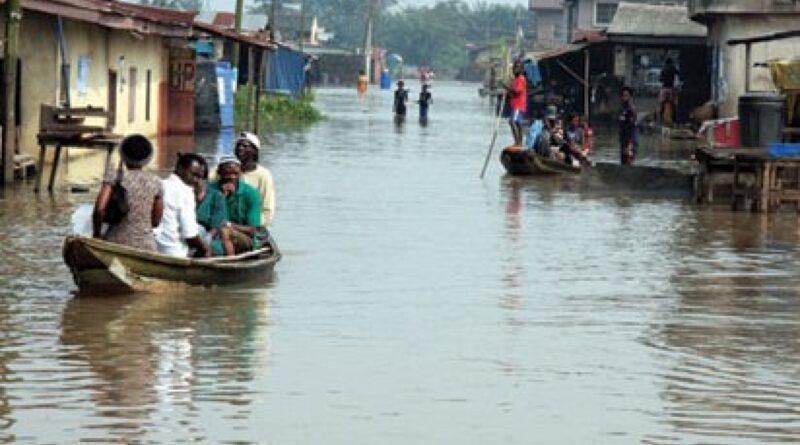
[(494, 133)]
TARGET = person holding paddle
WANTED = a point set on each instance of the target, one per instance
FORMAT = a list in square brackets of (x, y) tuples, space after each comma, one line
[(517, 91)]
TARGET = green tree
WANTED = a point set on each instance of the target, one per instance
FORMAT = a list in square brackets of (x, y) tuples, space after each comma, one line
[(438, 35)]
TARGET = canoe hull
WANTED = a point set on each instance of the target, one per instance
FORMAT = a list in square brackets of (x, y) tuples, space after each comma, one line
[(101, 267), (526, 162)]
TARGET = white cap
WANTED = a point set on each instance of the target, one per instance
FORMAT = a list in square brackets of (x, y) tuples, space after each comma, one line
[(249, 137)]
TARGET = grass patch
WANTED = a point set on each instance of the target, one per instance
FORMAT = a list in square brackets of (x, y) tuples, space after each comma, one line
[(277, 111)]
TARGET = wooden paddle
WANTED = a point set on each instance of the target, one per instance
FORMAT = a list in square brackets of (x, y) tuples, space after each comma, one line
[(494, 133)]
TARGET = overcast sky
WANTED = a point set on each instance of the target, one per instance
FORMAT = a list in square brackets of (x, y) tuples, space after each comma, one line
[(229, 5)]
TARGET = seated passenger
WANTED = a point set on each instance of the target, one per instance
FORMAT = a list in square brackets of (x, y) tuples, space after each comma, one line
[(144, 197), (243, 204), (574, 148), (257, 176), (179, 230), (212, 216)]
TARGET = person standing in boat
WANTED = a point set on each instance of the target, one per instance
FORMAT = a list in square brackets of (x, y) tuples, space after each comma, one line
[(628, 138), (247, 150), (400, 99), (517, 92), (242, 202), (144, 197), (179, 231)]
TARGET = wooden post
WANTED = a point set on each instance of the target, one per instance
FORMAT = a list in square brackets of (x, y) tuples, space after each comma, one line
[(13, 19), (260, 81), (587, 84), (747, 61), (238, 26), (251, 84), (302, 24)]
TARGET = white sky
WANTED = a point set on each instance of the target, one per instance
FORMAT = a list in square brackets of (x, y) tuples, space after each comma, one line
[(229, 5)]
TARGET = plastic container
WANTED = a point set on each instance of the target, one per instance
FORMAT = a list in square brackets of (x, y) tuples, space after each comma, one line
[(783, 150), (761, 117), (721, 133)]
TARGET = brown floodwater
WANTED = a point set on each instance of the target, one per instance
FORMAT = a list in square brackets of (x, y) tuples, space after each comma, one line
[(416, 303)]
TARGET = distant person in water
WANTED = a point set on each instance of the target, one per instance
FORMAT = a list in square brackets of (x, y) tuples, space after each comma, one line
[(628, 139), (400, 99), (425, 101), (362, 83), (517, 91)]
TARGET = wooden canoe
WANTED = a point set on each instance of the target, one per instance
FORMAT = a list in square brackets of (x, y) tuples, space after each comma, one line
[(520, 162), (101, 267)]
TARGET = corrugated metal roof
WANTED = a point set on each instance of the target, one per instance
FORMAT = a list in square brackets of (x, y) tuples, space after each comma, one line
[(540, 56), (636, 19)]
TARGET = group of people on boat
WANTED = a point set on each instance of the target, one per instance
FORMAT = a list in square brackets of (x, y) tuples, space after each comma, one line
[(567, 138), (193, 212), (548, 135)]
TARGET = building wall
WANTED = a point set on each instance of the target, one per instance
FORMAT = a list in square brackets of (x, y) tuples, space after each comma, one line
[(728, 82), (548, 22), (92, 50), (39, 76)]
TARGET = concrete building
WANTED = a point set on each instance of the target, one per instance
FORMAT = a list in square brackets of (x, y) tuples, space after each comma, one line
[(732, 19), (127, 59), (562, 20), (549, 17)]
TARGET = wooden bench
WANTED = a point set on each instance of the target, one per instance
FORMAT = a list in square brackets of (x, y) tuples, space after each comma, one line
[(65, 127)]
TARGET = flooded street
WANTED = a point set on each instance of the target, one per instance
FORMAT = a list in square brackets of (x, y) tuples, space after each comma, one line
[(416, 303)]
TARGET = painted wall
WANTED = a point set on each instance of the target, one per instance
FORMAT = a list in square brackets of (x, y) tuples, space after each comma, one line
[(92, 51), (39, 75), (729, 80)]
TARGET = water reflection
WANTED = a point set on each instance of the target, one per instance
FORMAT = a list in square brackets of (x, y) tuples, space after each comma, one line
[(730, 339), (164, 353)]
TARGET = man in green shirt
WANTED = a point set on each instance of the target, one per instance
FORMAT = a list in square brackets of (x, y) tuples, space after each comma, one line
[(242, 201)]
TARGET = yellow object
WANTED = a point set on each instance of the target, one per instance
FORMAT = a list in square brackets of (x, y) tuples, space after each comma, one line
[(362, 83), (786, 77)]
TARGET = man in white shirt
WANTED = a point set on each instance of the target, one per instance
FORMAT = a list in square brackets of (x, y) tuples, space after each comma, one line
[(179, 230), (247, 147)]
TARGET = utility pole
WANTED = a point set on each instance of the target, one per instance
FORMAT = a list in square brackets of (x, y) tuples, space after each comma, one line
[(237, 23), (302, 24), (272, 20), (13, 19), (368, 39)]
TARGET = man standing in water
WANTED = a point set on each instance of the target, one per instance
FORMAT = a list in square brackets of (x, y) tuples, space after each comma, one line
[(517, 92), (400, 99), (425, 101), (628, 140)]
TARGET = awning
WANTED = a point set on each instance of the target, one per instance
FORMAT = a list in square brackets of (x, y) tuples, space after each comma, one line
[(541, 56)]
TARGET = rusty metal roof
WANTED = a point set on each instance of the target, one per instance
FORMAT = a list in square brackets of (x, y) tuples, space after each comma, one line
[(224, 19), (219, 31), (118, 15)]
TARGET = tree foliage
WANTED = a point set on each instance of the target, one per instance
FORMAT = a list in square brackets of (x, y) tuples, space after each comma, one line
[(438, 35)]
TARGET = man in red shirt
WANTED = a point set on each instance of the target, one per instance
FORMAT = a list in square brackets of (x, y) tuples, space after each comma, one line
[(517, 92)]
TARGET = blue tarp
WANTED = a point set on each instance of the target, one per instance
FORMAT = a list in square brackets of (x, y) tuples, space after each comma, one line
[(226, 79), (286, 71)]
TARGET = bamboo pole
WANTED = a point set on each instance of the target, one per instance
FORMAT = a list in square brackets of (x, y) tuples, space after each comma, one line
[(13, 19)]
